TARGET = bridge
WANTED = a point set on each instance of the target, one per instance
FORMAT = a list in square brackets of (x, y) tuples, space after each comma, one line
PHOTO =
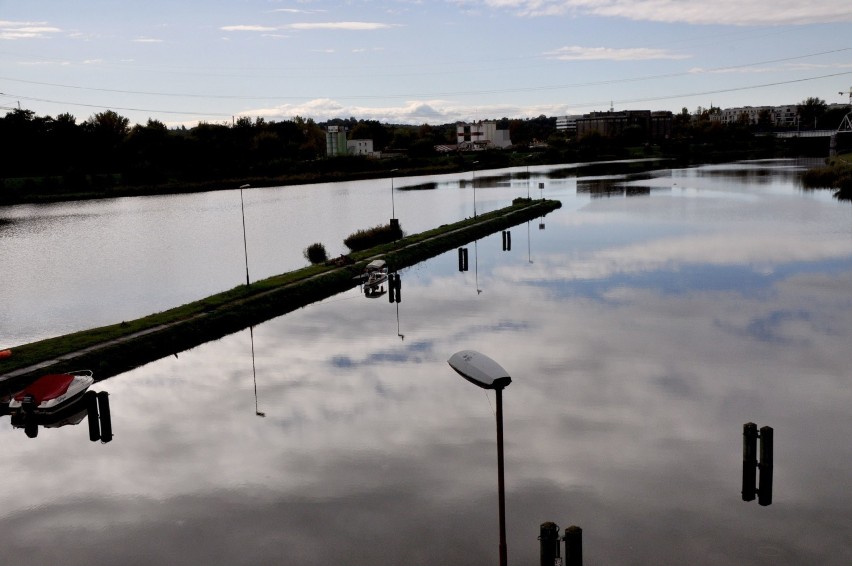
[(844, 127)]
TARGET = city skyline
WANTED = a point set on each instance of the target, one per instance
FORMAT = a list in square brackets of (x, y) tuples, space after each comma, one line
[(416, 62)]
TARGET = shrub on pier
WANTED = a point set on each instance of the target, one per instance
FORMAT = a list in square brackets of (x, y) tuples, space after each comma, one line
[(378, 235), (315, 253)]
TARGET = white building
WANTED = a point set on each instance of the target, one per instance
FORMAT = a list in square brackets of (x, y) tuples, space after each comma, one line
[(481, 135)]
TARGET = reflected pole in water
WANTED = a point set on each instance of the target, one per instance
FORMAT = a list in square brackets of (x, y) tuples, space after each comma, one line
[(401, 336), (529, 243), (254, 374), (245, 245), (476, 266), (393, 206)]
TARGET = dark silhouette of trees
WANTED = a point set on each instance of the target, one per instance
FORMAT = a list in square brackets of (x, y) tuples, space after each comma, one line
[(810, 110)]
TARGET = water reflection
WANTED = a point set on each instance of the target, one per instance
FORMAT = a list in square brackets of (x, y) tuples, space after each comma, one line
[(92, 406), (643, 336)]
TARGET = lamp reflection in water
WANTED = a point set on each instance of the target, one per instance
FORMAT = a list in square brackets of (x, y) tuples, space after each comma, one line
[(484, 372), (254, 374)]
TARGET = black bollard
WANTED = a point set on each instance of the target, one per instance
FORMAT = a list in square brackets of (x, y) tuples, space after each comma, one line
[(92, 416), (106, 417), (391, 288), (573, 546), (398, 284), (749, 461), (508, 241), (549, 542), (764, 491), (461, 259), (504, 240)]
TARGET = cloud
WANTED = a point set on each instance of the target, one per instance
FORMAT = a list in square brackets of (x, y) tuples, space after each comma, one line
[(308, 26), (410, 112), (352, 26), (726, 12), (25, 30), (249, 28), (577, 53), (147, 40)]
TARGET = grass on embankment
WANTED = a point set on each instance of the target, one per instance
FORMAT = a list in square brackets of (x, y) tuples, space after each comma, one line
[(120, 347)]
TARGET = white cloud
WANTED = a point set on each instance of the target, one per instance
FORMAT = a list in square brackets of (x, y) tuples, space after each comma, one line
[(727, 12), (352, 26), (147, 40), (411, 112), (25, 30), (577, 53), (248, 28)]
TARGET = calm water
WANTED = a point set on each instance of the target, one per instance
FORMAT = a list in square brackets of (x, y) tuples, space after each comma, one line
[(643, 324)]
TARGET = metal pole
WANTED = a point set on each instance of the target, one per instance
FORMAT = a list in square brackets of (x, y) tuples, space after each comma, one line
[(245, 245), (500, 482)]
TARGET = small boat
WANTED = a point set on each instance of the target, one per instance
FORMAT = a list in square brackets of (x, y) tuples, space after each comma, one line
[(52, 392), (375, 274)]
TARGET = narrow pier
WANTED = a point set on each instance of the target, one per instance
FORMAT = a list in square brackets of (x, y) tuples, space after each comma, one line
[(114, 349)]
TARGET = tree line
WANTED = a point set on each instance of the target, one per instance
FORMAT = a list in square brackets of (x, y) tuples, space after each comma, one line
[(56, 158)]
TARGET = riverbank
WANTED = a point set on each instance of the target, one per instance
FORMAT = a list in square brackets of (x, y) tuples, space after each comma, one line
[(837, 174), (117, 348)]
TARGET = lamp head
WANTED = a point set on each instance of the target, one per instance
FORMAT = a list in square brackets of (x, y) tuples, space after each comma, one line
[(479, 369)]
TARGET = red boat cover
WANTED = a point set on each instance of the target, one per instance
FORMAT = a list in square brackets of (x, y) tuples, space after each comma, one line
[(47, 387)]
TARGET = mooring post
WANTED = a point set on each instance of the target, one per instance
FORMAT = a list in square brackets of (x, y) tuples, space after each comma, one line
[(573, 546), (749, 461), (549, 543), (764, 490)]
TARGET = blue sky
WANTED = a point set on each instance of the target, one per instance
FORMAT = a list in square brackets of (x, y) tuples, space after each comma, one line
[(410, 61)]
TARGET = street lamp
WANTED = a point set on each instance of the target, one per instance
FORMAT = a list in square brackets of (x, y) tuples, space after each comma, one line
[(393, 207), (484, 372), (243, 210), (474, 188)]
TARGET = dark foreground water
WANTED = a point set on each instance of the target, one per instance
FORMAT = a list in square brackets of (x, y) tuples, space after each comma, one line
[(643, 324)]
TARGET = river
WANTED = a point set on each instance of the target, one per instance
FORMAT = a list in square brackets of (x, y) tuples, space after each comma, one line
[(643, 324)]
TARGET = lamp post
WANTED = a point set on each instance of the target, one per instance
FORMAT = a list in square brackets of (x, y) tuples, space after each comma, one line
[(474, 187), (245, 245), (484, 372)]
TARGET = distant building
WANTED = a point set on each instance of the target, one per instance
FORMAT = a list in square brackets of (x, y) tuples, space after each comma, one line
[(779, 116), (567, 124), (360, 147), (335, 141), (481, 135), (609, 124)]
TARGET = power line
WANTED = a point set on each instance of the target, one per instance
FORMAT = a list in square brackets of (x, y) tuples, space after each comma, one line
[(426, 95)]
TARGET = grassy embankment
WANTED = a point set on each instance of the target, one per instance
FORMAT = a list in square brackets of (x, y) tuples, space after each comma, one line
[(837, 174), (110, 350)]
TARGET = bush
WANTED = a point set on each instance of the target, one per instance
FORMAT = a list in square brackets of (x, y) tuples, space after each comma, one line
[(364, 239), (315, 253)]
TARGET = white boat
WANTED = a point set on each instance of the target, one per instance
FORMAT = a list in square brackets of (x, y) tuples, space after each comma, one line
[(52, 392), (375, 275)]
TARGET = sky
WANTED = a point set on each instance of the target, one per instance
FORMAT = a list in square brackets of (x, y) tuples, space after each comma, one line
[(416, 61)]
